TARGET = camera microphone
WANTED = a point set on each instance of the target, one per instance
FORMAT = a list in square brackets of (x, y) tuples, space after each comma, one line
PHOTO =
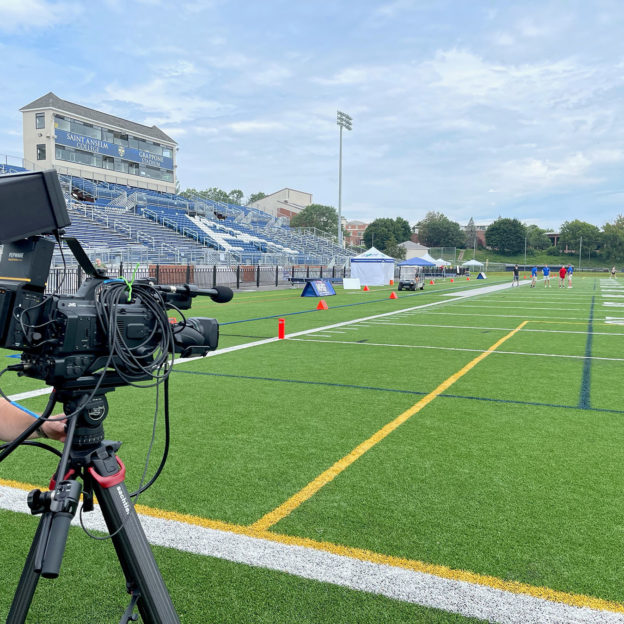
[(219, 294)]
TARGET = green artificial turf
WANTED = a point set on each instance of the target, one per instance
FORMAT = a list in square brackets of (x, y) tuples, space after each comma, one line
[(514, 471)]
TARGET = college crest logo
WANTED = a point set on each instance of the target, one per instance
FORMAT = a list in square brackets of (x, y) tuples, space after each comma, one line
[(121, 151)]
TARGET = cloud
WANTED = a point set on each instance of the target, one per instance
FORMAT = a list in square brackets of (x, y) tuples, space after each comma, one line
[(23, 15), (162, 101), (256, 126)]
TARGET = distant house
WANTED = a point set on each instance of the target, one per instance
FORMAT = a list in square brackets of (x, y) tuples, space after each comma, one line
[(285, 203), (414, 250)]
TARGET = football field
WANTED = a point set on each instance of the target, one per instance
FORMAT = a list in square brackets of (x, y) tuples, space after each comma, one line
[(452, 455)]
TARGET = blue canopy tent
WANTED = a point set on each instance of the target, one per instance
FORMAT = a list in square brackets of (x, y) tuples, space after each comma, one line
[(416, 262)]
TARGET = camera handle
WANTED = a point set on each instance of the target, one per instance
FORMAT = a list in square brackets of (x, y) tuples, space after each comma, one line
[(103, 474)]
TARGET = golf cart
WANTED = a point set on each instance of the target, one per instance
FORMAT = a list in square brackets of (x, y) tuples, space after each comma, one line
[(411, 278)]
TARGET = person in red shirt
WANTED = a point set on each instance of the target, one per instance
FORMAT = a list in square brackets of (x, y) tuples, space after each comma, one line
[(562, 275)]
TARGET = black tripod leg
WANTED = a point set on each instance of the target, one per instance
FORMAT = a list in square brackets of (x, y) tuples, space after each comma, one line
[(29, 579), (133, 550)]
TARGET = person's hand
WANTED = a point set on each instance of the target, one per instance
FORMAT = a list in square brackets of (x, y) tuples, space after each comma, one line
[(55, 429)]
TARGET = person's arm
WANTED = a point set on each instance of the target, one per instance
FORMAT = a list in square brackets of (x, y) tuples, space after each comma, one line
[(14, 421)]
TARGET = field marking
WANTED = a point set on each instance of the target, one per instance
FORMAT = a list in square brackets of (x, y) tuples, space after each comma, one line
[(286, 508), (546, 331), (546, 319), (403, 346), (437, 586), (513, 307)]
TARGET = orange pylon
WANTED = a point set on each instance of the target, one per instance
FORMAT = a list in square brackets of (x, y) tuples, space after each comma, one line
[(431, 282), (322, 305), (452, 280), (366, 289), (391, 282), (393, 295)]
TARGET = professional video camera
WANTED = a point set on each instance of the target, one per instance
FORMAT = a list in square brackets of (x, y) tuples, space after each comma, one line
[(108, 323), (111, 333)]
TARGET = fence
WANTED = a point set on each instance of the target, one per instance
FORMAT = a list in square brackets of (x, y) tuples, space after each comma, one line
[(68, 281)]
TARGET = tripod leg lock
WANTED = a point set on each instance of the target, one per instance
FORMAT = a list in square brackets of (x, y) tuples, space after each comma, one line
[(108, 474)]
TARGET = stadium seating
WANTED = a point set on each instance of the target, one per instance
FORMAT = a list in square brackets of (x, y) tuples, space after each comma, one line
[(133, 224)]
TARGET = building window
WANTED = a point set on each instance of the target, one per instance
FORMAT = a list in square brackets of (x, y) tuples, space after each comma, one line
[(41, 151), (39, 121)]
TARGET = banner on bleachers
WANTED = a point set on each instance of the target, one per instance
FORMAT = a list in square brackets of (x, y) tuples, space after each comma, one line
[(107, 148), (318, 288)]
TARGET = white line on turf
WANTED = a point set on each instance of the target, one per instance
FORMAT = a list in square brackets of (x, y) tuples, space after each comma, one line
[(524, 329), (496, 352), (461, 597)]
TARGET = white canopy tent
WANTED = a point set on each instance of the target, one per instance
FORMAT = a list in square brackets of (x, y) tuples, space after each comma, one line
[(429, 258), (373, 268), (442, 262), (475, 264)]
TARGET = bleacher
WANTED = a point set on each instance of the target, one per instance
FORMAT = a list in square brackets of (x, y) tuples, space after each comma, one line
[(118, 222)]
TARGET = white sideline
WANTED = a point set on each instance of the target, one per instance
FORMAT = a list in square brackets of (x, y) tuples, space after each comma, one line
[(461, 597)]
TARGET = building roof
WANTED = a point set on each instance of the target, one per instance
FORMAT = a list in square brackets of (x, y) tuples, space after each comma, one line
[(412, 246), (50, 100)]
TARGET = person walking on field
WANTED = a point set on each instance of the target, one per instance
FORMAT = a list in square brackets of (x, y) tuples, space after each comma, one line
[(516, 276), (533, 276), (546, 272), (613, 273), (562, 274), (570, 271)]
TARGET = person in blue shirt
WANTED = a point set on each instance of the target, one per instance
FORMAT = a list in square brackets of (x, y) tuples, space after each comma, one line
[(533, 276), (546, 272), (570, 271)]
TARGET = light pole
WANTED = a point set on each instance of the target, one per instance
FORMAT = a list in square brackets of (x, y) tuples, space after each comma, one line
[(525, 253), (344, 121), (580, 247)]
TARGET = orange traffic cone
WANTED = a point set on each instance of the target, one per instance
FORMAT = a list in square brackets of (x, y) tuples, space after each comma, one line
[(393, 295), (467, 279), (322, 305), (391, 282), (452, 280), (431, 282), (366, 289)]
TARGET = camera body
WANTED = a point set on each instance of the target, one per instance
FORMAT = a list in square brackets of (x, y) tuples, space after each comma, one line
[(108, 325)]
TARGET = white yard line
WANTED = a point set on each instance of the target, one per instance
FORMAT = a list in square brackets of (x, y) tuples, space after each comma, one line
[(399, 583), (496, 352), (524, 329)]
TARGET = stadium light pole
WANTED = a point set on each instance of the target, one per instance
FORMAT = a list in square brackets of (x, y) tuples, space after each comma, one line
[(580, 247), (525, 253), (344, 121)]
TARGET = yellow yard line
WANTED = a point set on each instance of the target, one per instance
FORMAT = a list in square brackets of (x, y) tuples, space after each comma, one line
[(441, 571), (330, 474)]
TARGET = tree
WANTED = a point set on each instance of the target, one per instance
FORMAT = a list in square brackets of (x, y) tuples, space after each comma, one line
[(235, 196), (613, 240), (324, 218), (392, 248), (571, 232), (254, 197), (537, 239), (506, 235), (436, 230), (214, 193), (382, 231)]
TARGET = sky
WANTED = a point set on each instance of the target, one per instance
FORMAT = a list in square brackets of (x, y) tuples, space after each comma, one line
[(472, 108)]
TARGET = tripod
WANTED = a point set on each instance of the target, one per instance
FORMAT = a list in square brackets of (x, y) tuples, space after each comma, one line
[(92, 458)]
